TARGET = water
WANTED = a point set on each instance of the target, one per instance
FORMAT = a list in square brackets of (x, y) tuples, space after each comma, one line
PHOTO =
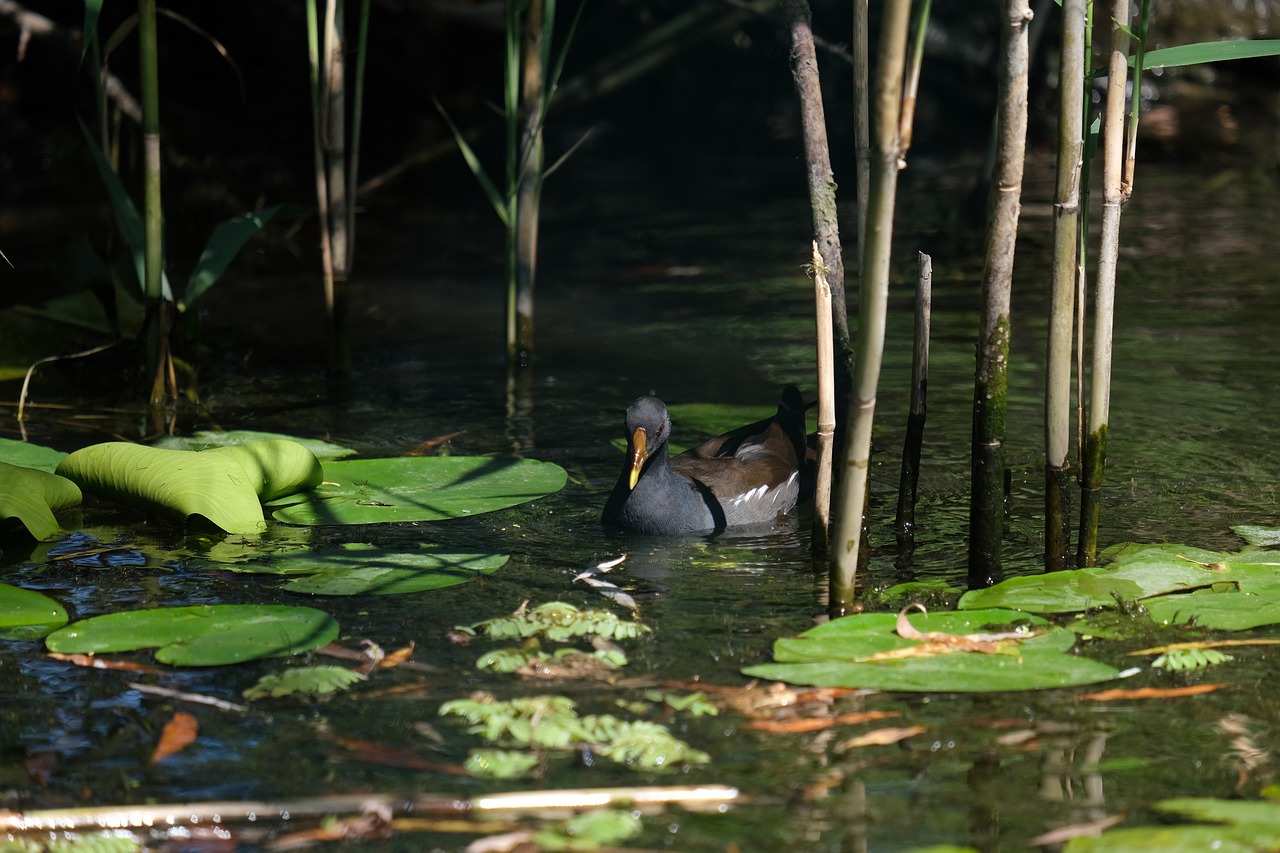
[(706, 302)]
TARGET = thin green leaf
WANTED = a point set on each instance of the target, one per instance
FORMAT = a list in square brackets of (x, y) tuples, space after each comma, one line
[(1202, 52), (496, 198), (224, 244)]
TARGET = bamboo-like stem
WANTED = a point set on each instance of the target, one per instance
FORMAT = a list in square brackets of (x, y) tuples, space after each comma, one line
[(826, 406), (861, 124), (914, 441), (1082, 237), (872, 307), (529, 172), (1094, 460), (1062, 300), (357, 124), (511, 112), (333, 74), (179, 815), (987, 491), (906, 123), (153, 211), (1135, 98), (822, 185)]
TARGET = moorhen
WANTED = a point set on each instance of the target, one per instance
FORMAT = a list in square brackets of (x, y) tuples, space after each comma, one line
[(747, 476)]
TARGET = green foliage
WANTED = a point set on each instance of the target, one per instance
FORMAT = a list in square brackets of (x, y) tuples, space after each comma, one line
[(558, 621), (1187, 659), (105, 843), (501, 763), (419, 488), (1177, 584), (201, 635), (28, 615), (553, 723), (208, 439), (590, 831), (692, 703), (314, 681), (865, 650), (224, 485), (30, 455), (1228, 826), (32, 497), (359, 569), (511, 660)]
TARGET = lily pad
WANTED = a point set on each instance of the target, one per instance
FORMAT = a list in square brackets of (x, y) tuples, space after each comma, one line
[(32, 497), (209, 439), (355, 569), (836, 655), (201, 635), (1254, 534), (30, 455), (224, 485), (419, 488), (1229, 826), (28, 615), (1176, 583)]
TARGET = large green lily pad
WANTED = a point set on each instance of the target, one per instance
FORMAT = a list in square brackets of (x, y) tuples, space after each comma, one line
[(225, 485), (356, 569), (1229, 826), (209, 439), (834, 655), (30, 455), (1176, 583), (419, 488), (28, 615), (32, 497), (201, 635)]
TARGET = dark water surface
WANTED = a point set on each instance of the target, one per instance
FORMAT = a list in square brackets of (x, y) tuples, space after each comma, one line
[(705, 301)]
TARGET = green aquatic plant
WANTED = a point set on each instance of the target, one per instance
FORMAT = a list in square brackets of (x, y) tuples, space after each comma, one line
[(226, 485), (558, 621), (201, 635), (31, 497), (552, 722), (312, 681), (28, 615), (419, 488)]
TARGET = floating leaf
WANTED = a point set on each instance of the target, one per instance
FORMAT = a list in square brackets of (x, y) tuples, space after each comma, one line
[(1175, 583), (1256, 535), (30, 455), (835, 655), (420, 488), (1187, 659), (500, 763), (32, 497), (28, 615), (209, 439), (1234, 827), (312, 681), (202, 635), (357, 569), (224, 485)]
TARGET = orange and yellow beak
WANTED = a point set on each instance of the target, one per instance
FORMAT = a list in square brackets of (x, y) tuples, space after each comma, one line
[(639, 453)]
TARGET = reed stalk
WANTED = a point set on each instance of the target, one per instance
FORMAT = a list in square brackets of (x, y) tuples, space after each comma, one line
[(159, 309), (336, 162), (1093, 461), (872, 307), (528, 175), (826, 406), (911, 86), (822, 185), (861, 124), (987, 485), (909, 479), (1066, 262)]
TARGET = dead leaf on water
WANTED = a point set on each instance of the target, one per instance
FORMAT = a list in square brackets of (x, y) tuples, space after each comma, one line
[(813, 724), (1151, 693), (879, 737), (179, 733)]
